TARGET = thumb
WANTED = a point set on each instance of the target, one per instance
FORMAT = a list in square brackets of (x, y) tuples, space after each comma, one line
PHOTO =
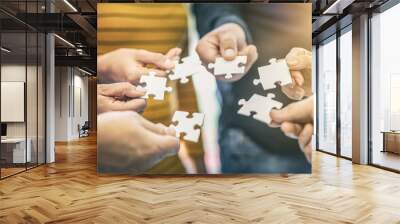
[(168, 145), (121, 89), (299, 59), (228, 46), (298, 112), (251, 52)]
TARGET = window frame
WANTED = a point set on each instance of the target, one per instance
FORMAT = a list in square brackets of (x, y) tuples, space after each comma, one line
[(334, 37)]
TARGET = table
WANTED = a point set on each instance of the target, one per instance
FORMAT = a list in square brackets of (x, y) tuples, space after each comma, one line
[(391, 141), (13, 150)]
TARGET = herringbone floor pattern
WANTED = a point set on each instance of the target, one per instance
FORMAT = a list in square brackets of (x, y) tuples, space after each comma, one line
[(70, 191)]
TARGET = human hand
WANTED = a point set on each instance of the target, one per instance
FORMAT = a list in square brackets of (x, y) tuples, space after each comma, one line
[(299, 61), (128, 143), (128, 65), (297, 121), (227, 41), (119, 96)]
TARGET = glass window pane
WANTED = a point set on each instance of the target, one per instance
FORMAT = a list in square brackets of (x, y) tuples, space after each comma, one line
[(31, 97), (327, 96), (346, 94), (14, 153)]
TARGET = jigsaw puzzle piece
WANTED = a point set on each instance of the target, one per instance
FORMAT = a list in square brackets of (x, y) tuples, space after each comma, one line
[(228, 68), (192, 136), (188, 125), (254, 104), (154, 86), (275, 72), (259, 106), (272, 104), (188, 67)]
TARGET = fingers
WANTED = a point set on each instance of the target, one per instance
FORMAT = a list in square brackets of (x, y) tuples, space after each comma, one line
[(293, 92), (157, 128), (147, 71), (174, 53), (170, 130), (298, 112), (157, 59), (291, 130), (207, 49), (299, 58), (168, 145), (121, 89), (137, 105), (308, 152), (156, 147), (162, 136), (166, 130), (305, 136), (297, 77), (252, 55), (302, 133), (163, 63), (228, 45)]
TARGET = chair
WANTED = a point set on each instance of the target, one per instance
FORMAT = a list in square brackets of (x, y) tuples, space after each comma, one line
[(84, 130)]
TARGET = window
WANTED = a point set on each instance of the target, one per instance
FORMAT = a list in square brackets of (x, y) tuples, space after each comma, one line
[(385, 89), (327, 96), (22, 76), (346, 92)]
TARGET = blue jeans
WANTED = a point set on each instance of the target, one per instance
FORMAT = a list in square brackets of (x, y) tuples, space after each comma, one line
[(239, 154)]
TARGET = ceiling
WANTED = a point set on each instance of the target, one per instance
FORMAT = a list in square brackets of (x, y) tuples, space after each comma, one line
[(72, 20), (39, 6), (332, 15)]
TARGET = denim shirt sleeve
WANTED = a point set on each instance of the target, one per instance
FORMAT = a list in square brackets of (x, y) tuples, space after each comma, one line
[(211, 16)]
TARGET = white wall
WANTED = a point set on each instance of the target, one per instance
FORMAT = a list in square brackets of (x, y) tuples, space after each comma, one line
[(61, 103), (71, 93), (14, 73), (80, 118)]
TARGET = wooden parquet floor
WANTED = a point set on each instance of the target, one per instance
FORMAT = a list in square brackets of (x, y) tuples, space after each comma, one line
[(70, 191)]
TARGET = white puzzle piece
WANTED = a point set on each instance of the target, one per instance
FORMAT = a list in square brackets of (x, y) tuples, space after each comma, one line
[(228, 68), (155, 86), (188, 125), (275, 72), (260, 106), (188, 67)]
